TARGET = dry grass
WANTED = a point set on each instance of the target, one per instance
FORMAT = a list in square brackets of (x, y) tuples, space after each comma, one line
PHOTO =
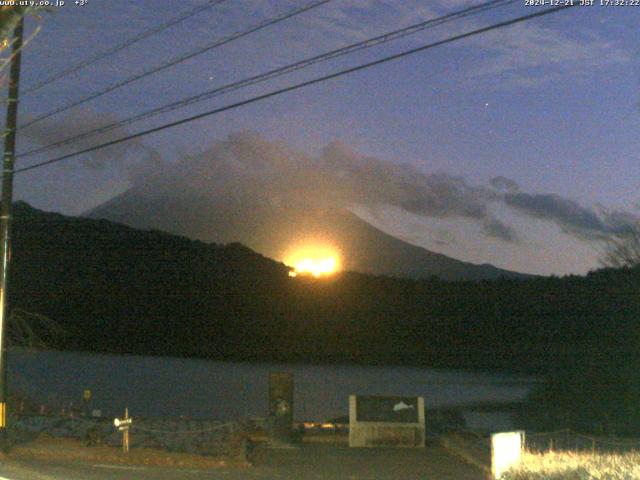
[(61, 449), (576, 466)]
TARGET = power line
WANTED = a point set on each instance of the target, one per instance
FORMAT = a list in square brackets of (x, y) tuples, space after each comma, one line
[(389, 36), (371, 42), (299, 86), (127, 43), (181, 58)]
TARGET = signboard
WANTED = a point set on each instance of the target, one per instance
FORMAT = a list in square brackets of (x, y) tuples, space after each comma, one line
[(122, 423), (377, 421), (387, 409)]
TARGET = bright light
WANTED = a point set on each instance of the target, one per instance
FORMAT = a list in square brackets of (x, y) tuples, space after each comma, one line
[(313, 261), (316, 267), (506, 450)]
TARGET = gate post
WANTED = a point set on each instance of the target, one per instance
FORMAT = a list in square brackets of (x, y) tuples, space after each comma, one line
[(281, 409)]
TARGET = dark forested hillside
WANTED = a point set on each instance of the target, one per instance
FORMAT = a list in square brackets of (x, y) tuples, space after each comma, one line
[(116, 289)]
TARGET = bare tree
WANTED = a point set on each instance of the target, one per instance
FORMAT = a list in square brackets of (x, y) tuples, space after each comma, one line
[(32, 330), (623, 250)]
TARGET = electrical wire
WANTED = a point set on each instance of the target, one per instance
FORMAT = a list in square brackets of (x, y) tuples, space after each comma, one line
[(182, 58), (300, 85), (274, 73), (105, 53)]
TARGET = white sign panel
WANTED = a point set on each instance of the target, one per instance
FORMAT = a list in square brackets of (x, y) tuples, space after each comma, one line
[(506, 449)]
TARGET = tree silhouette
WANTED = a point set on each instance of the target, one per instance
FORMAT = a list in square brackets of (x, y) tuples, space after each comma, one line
[(623, 250)]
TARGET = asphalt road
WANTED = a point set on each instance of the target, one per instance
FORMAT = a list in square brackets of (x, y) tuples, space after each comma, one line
[(310, 462)]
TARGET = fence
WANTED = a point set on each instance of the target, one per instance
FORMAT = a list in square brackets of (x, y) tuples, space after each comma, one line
[(568, 440), (203, 437)]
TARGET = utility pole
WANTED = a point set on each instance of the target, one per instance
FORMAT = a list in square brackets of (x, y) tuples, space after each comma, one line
[(5, 218)]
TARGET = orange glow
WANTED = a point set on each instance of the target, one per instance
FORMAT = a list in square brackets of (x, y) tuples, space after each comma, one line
[(315, 267), (314, 261)]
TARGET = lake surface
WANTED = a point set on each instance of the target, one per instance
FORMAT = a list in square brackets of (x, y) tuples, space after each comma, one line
[(170, 387)]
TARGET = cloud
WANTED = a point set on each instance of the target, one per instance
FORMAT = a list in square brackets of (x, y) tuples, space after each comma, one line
[(355, 20), (246, 171), (71, 124), (497, 229), (504, 184), (572, 217), (523, 55), (369, 180), (529, 54), (620, 223)]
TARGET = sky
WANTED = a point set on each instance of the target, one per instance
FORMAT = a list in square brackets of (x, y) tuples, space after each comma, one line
[(518, 147)]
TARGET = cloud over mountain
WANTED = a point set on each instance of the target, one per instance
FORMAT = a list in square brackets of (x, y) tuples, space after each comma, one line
[(571, 216), (247, 169)]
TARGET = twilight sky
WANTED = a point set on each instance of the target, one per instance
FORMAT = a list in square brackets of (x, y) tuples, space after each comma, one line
[(518, 147)]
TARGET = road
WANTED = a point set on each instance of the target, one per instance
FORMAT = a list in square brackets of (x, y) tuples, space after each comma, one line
[(310, 462)]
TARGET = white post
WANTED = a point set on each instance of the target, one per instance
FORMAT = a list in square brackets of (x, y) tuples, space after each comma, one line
[(506, 451), (352, 421)]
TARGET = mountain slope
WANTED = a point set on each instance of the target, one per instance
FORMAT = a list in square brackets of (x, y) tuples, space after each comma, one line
[(120, 290), (271, 230)]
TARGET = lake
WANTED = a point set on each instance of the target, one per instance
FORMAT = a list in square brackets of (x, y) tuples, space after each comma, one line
[(171, 387)]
